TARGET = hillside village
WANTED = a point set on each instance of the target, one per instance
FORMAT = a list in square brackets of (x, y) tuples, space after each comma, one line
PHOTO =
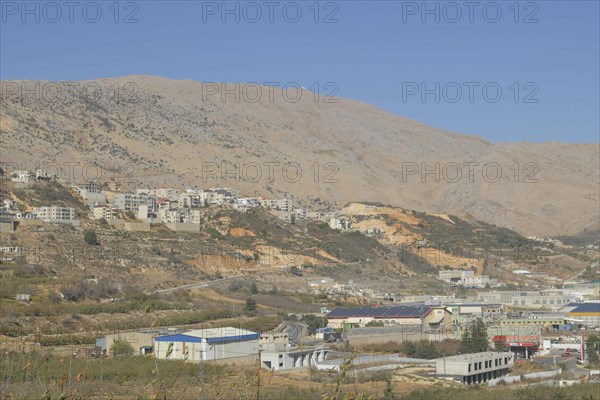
[(529, 314)]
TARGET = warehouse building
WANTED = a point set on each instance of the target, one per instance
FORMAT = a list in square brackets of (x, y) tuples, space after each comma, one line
[(475, 367), (583, 314), (430, 318), (215, 344)]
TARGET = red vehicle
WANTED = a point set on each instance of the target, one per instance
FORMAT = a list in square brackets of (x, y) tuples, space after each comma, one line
[(567, 355)]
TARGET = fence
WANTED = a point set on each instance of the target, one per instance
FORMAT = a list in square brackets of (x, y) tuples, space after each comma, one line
[(535, 375)]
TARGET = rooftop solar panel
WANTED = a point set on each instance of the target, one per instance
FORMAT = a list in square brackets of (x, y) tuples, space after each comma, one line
[(380, 312)]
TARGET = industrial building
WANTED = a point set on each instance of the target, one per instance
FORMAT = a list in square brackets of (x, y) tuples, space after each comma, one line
[(583, 314), (428, 317), (463, 313), (475, 367), (548, 299), (216, 343)]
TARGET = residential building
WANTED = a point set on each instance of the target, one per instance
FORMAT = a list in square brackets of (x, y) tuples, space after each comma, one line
[(189, 200), (340, 224), (20, 176), (169, 193), (131, 202), (56, 214), (180, 215), (277, 204), (103, 211)]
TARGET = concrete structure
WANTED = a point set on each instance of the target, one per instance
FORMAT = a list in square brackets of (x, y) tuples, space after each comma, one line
[(7, 225), (23, 297), (183, 227), (293, 358), (216, 343), (139, 226), (54, 214), (475, 367)]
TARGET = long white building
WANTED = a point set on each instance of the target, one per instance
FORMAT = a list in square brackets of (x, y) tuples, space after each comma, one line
[(214, 343)]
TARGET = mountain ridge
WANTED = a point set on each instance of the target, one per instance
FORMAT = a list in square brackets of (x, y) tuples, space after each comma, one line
[(176, 134)]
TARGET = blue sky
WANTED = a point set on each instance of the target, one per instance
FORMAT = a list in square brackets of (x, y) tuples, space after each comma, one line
[(544, 56)]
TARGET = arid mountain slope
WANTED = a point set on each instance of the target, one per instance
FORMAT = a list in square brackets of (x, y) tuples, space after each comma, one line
[(174, 132)]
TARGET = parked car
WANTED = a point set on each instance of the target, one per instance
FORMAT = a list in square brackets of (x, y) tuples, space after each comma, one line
[(567, 355)]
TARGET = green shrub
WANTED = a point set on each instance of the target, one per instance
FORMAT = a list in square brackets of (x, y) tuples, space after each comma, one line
[(121, 348)]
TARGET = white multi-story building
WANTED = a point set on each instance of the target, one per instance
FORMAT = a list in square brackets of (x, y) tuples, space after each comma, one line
[(277, 204), (340, 224), (180, 215), (56, 214), (189, 200), (169, 193), (131, 202), (20, 176)]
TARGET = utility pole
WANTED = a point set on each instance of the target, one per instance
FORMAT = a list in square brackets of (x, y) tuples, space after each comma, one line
[(101, 377), (258, 378), (203, 345), (444, 354)]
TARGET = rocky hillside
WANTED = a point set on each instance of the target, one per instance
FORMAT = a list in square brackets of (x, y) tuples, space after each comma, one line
[(173, 132)]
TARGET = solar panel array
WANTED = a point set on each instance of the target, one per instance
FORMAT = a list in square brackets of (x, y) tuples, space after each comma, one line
[(380, 312), (587, 307)]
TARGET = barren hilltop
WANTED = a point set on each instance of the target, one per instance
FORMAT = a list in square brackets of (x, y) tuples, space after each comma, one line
[(313, 148)]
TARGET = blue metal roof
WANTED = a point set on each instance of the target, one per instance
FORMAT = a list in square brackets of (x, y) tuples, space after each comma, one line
[(380, 312), (178, 338), (586, 307), (195, 339)]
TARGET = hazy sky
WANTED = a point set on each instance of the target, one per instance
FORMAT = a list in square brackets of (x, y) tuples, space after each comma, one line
[(504, 70)]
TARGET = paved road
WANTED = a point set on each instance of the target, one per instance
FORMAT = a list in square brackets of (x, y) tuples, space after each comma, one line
[(209, 283), (570, 363)]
